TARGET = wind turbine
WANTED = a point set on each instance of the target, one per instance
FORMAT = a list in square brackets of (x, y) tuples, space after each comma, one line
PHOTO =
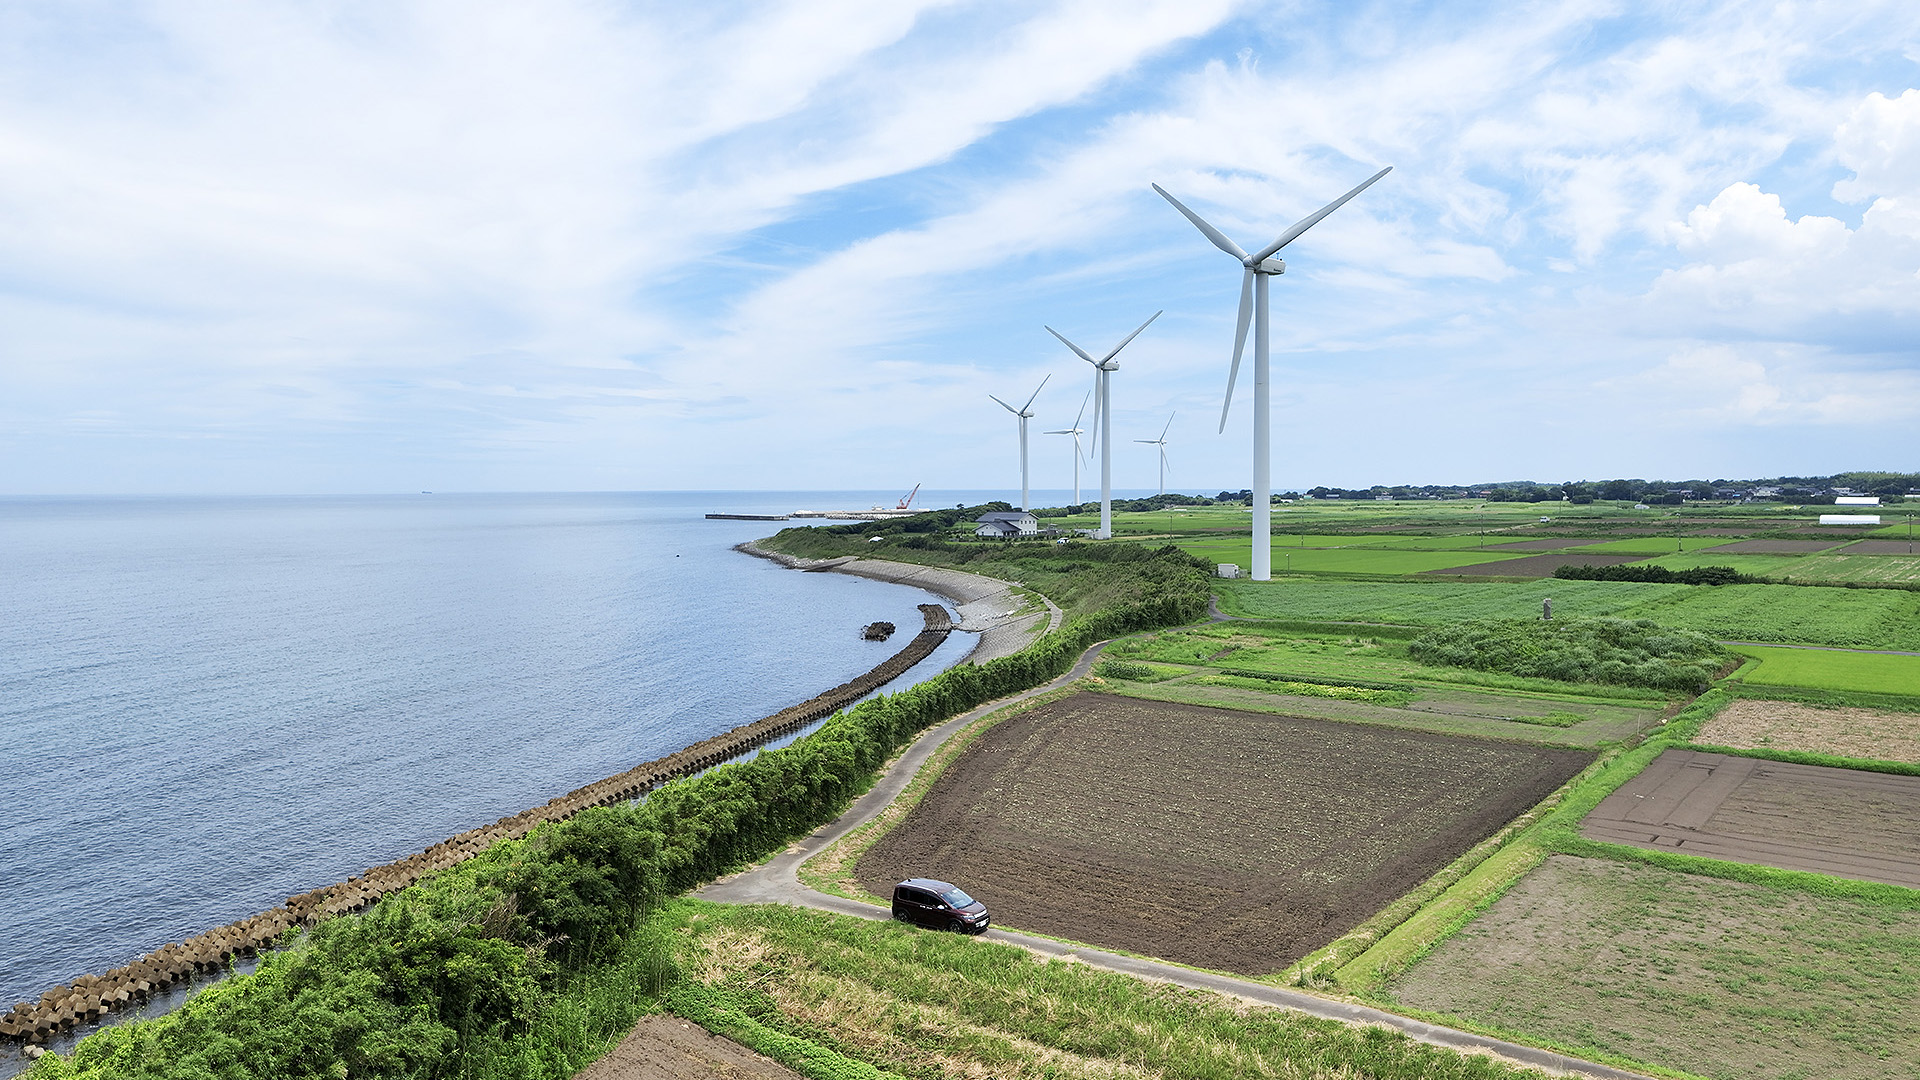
[(1253, 304), (1103, 369), (1161, 442), (1025, 413), (1076, 431)]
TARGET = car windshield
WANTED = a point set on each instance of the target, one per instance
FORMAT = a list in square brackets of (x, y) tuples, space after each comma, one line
[(956, 898)]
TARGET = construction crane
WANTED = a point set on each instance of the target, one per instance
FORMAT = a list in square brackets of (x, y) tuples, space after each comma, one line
[(908, 501)]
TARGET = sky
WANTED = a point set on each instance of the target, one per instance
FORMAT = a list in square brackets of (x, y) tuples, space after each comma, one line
[(403, 245)]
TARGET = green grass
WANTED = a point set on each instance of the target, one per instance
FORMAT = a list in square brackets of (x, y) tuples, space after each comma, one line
[(1773, 566), (1137, 672), (1381, 662), (1342, 560), (1426, 603), (1825, 669), (1724, 979), (1787, 614), (1394, 698), (928, 1005), (1654, 545)]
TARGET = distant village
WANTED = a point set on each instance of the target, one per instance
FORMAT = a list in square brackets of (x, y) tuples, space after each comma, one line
[(1889, 487)]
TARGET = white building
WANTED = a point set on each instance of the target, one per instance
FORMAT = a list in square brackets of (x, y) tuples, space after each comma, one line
[(1004, 524)]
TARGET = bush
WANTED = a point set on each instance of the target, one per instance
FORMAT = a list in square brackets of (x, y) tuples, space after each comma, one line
[(1658, 575), (1617, 651)]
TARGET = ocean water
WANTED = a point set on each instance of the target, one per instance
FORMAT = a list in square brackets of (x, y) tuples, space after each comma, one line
[(210, 704)]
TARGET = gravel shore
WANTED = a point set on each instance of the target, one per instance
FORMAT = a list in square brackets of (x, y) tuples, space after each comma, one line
[(984, 606)]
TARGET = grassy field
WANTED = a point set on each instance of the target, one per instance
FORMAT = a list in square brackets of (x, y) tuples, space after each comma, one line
[(1826, 669), (1342, 560), (1654, 545), (1788, 614), (928, 1006), (1430, 603), (1720, 978)]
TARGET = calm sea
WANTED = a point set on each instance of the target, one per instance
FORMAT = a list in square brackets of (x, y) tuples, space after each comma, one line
[(210, 704)]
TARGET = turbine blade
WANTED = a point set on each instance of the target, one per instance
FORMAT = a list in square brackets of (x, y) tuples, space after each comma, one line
[(1239, 342), (1077, 350), (1219, 238), (1164, 430), (1313, 219), (1062, 431), (1130, 337), (1083, 409), (1036, 393), (1006, 406), (1149, 442)]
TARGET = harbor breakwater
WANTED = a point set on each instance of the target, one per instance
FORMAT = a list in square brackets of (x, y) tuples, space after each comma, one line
[(89, 998)]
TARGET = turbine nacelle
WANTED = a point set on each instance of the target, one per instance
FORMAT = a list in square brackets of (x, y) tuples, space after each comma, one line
[(1271, 266)]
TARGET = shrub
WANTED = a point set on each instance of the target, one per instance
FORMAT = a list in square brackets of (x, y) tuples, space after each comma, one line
[(1618, 651)]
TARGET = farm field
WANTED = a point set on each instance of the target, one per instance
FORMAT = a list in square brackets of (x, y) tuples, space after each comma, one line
[(1849, 618), (1849, 565), (926, 1006), (1822, 820), (1258, 647), (1656, 545), (1429, 603), (1341, 560), (1875, 734), (1720, 978), (1775, 547), (1882, 547), (1550, 722), (1831, 669), (1230, 840), (1540, 565)]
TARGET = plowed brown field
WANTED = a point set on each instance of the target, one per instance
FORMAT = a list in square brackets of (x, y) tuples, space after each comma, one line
[(1230, 840)]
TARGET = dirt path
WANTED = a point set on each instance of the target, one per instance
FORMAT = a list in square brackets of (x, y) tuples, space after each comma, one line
[(777, 882)]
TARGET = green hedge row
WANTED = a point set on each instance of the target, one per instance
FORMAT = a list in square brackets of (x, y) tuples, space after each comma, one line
[(477, 972)]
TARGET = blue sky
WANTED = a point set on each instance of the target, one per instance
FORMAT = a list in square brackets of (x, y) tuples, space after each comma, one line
[(393, 246)]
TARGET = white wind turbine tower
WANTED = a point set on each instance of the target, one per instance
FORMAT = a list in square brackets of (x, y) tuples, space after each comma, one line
[(1103, 369), (1076, 431), (1253, 304), (1025, 413), (1161, 442)]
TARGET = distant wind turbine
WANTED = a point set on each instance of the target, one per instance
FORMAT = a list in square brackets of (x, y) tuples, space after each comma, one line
[(1025, 413), (1253, 304), (1103, 370), (1161, 442), (1076, 431)]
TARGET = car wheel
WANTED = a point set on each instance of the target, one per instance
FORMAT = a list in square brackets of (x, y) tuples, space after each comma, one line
[(956, 926)]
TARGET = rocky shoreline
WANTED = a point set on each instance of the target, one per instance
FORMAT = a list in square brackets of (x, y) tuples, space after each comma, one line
[(985, 606)]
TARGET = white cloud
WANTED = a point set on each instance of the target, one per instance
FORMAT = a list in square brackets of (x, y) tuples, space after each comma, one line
[(541, 246)]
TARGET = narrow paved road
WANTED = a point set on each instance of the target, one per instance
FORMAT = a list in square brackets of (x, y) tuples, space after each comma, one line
[(777, 882)]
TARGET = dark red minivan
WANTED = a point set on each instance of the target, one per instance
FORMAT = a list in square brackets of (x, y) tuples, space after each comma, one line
[(940, 905)]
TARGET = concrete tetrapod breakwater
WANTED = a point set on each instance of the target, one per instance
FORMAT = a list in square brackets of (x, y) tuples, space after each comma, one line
[(90, 997)]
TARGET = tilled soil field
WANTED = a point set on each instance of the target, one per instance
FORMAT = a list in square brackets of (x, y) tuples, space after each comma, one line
[(1230, 840), (1750, 724), (1881, 547), (1801, 817)]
